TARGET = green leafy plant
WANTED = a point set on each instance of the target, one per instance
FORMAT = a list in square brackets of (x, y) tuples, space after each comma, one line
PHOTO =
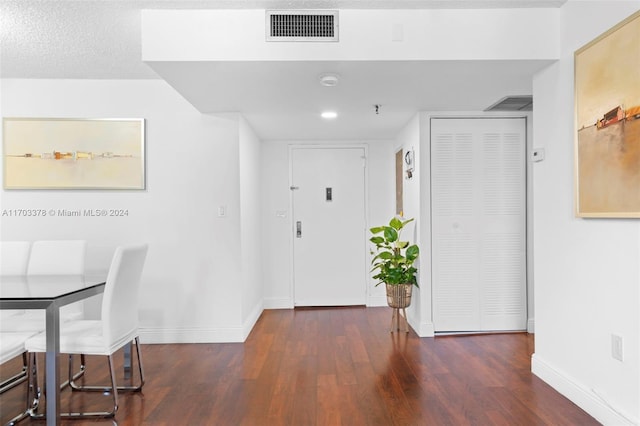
[(394, 258)]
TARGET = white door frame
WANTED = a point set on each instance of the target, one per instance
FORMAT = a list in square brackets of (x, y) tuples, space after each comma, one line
[(365, 243)]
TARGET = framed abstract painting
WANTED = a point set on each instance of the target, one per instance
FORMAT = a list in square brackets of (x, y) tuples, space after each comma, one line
[(69, 153), (607, 114)]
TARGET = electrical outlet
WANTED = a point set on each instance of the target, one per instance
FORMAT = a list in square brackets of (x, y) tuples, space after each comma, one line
[(616, 347)]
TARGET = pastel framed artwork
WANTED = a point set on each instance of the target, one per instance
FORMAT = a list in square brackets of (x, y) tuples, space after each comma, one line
[(70, 153)]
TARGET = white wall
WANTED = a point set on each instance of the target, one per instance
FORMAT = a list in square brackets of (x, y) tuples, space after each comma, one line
[(191, 282), (276, 218), (409, 140), (425, 327), (586, 271), (381, 173), (276, 226), (250, 229)]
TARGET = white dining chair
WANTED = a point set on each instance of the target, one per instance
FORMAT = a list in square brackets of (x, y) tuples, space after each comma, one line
[(117, 327), (59, 257), (12, 328), (55, 257), (14, 257), (11, 346), (19, 320), (17, 258)]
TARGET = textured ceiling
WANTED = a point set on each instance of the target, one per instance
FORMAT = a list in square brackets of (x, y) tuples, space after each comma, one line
[(100, 39), (79, 39)]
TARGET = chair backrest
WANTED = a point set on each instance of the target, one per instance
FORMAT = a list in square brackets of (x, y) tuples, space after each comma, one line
[(121, 293), (14, 257), (57, 257)]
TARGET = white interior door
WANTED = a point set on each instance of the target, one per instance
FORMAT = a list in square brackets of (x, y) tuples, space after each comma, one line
[(479, 224), (328, 190)]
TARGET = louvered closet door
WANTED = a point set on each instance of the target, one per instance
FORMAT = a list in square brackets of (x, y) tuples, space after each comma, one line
[(478, 224)]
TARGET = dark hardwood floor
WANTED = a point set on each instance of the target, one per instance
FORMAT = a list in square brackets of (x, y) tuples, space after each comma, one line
[(332, 366)]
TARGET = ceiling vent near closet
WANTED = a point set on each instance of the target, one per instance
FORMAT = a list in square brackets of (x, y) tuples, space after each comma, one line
[(513, 103), (302, 25)]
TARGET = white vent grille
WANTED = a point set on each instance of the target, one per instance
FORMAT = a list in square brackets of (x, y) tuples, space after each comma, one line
[(302, 25), (513, 103)]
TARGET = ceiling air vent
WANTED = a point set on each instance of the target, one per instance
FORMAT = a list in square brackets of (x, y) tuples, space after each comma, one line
[(513, 103), (302, 25)]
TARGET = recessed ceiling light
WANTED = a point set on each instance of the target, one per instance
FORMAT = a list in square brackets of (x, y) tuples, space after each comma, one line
[(329, 80), (329, 115)]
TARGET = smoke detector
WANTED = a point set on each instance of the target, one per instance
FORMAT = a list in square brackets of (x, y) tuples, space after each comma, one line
[(329, 80)]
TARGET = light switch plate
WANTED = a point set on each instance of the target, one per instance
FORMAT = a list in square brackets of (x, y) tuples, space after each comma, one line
[(617, 349)]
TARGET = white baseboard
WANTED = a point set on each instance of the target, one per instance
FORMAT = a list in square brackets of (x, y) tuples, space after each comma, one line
[(192, 335), (251, 320), (426, 329), (584, 398), (531, 325), (202, 335), (330, 301), (376, 301), (278, 303), (286, 303), (240, 334)]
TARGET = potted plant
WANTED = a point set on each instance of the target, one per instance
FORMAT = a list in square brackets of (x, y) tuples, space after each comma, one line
[(393, 262)]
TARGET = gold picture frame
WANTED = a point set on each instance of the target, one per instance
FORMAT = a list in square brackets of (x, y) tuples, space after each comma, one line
[(607, 123), (74, 153)]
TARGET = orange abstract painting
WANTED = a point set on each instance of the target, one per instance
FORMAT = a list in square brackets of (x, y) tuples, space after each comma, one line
[(607, 89)]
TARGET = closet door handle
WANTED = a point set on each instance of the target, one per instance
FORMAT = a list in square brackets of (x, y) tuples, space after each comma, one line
[(298, 229)]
